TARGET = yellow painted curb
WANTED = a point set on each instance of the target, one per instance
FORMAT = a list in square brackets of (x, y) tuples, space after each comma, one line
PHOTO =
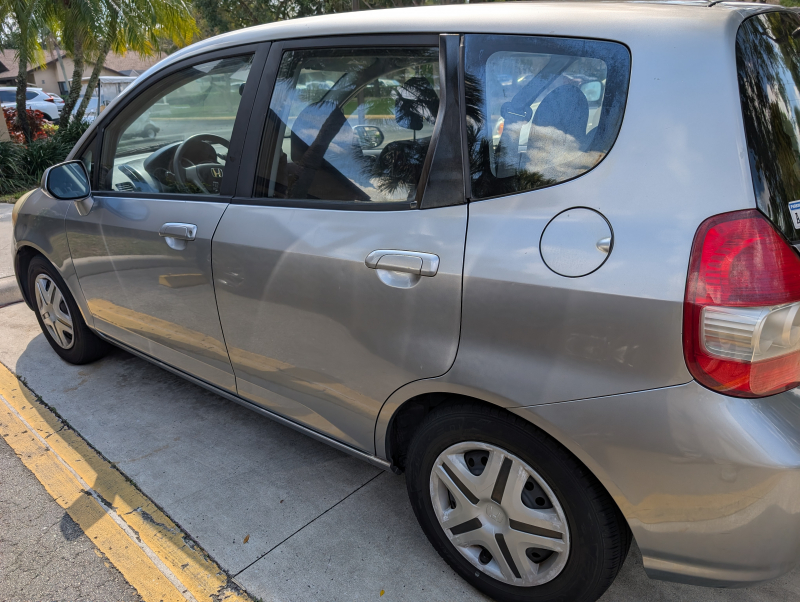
[(164, 564)]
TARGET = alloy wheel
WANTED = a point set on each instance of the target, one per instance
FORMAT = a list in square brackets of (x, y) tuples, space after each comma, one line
[(499, 514), (54, 311)]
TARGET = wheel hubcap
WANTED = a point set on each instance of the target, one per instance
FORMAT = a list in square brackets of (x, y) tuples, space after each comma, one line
[(54, 311), (499, 514)]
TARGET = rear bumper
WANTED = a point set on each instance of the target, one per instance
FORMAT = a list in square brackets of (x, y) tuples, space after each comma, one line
[(710, 484)]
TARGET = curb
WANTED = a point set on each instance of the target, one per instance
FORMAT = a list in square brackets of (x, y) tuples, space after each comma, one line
[(153, 553), (9, 291)]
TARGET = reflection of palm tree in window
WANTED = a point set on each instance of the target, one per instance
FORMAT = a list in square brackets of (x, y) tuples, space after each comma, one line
[(312, 160), (400, 163)]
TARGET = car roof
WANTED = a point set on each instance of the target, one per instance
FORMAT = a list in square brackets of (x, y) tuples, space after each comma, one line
[(648, 28), (14, 89), (593, 19)]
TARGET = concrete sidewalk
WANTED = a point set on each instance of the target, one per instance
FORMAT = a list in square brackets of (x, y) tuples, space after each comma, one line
[(318, 525), (9, 291)]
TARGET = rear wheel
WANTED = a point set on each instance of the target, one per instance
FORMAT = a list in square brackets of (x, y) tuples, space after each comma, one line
[(59, 317), (511, 510)]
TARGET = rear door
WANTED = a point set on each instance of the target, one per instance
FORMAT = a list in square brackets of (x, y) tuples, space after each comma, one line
[(338, 265), (142, 249)]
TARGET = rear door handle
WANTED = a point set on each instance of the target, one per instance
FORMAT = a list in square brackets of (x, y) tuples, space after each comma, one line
[(411, 262), (178, 231), (176, 235)]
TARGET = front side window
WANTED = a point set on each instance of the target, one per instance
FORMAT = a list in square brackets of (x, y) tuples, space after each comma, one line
[(540, 110), (349, 124), (174, 137)]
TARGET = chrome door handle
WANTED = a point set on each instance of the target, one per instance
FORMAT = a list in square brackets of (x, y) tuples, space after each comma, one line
[(178, 231), (411, 262), (177, 235)]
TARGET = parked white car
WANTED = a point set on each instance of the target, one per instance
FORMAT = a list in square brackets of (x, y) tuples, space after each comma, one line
[(35, 98)]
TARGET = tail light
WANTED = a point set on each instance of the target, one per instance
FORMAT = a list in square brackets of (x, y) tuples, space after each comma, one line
[(50, 100), (741, 315)]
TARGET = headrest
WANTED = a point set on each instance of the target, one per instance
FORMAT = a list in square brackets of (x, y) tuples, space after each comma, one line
[(566, 109), (309, 123), (415, 103)]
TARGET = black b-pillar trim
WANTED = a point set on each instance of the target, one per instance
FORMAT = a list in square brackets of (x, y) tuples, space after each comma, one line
[(442, 179)]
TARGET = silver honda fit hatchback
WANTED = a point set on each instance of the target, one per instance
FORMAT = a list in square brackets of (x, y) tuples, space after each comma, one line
[(541, 257)]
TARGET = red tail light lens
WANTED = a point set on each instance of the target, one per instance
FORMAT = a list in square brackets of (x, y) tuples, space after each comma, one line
[(741, 315), (50, 100)]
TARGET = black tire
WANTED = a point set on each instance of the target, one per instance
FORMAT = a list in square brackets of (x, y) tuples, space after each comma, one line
[(600, 537), (86, 346)]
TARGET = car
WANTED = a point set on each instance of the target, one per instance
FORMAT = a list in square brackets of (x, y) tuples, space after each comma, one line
[(577, 330), (143, 127), (36, 99)]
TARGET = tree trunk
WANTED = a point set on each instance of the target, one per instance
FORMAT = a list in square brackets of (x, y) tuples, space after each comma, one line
[(75, 86), (95, 77), (22, 86), (61, 62)]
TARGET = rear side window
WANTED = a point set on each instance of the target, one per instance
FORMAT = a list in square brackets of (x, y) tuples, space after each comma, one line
[(540, 110), (768, 61), (8, 96), (31, 95), (350, 124)]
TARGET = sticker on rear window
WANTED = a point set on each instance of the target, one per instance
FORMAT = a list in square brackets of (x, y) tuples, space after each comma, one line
[(794, 209)]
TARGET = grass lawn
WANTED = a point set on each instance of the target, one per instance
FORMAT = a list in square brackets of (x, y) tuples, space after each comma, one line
[(10, 198)]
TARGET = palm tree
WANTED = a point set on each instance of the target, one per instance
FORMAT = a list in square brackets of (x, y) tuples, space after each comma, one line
[(78, 27), (138, 25), (30, 17)]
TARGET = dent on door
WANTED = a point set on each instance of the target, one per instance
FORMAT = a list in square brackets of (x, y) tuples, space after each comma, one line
[(317, 328)]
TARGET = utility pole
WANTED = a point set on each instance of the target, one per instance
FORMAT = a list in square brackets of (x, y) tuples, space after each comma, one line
[(355, 5)]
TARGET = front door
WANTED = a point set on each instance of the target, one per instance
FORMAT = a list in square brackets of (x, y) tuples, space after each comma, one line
[(142, 251), (335, 286)]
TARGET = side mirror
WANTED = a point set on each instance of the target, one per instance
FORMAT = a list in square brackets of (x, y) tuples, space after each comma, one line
[(369, 136), (67, 181)]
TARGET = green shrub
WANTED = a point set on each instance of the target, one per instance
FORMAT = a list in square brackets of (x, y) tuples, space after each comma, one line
[(13, 176), (22, 165)]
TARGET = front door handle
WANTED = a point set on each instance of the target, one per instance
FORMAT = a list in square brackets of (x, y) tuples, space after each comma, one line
[(176, 235), (410, 262)]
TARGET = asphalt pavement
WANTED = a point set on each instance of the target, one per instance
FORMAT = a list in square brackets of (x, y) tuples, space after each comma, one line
[(44, 555), (287, 518)]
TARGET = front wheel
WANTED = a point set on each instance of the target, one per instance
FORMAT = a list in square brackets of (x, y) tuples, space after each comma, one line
[(59, 317), (511, 510)]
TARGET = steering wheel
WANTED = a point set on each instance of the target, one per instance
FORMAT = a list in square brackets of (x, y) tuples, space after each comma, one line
[(202, 175)]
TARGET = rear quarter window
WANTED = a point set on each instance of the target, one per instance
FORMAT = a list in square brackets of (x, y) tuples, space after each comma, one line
[(540, 110), (768, 64)]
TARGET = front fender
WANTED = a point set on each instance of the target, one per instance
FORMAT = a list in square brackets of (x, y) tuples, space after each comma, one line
[(40, 226)]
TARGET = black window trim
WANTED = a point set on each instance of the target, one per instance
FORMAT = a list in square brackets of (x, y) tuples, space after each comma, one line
[(260, 52), (256, 134)]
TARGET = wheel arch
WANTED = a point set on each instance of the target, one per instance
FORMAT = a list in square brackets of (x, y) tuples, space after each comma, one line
[(25, 253), (404, 411), (22, 260)]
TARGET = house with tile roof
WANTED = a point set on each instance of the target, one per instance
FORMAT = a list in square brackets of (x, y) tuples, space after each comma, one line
[(52, 78)]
